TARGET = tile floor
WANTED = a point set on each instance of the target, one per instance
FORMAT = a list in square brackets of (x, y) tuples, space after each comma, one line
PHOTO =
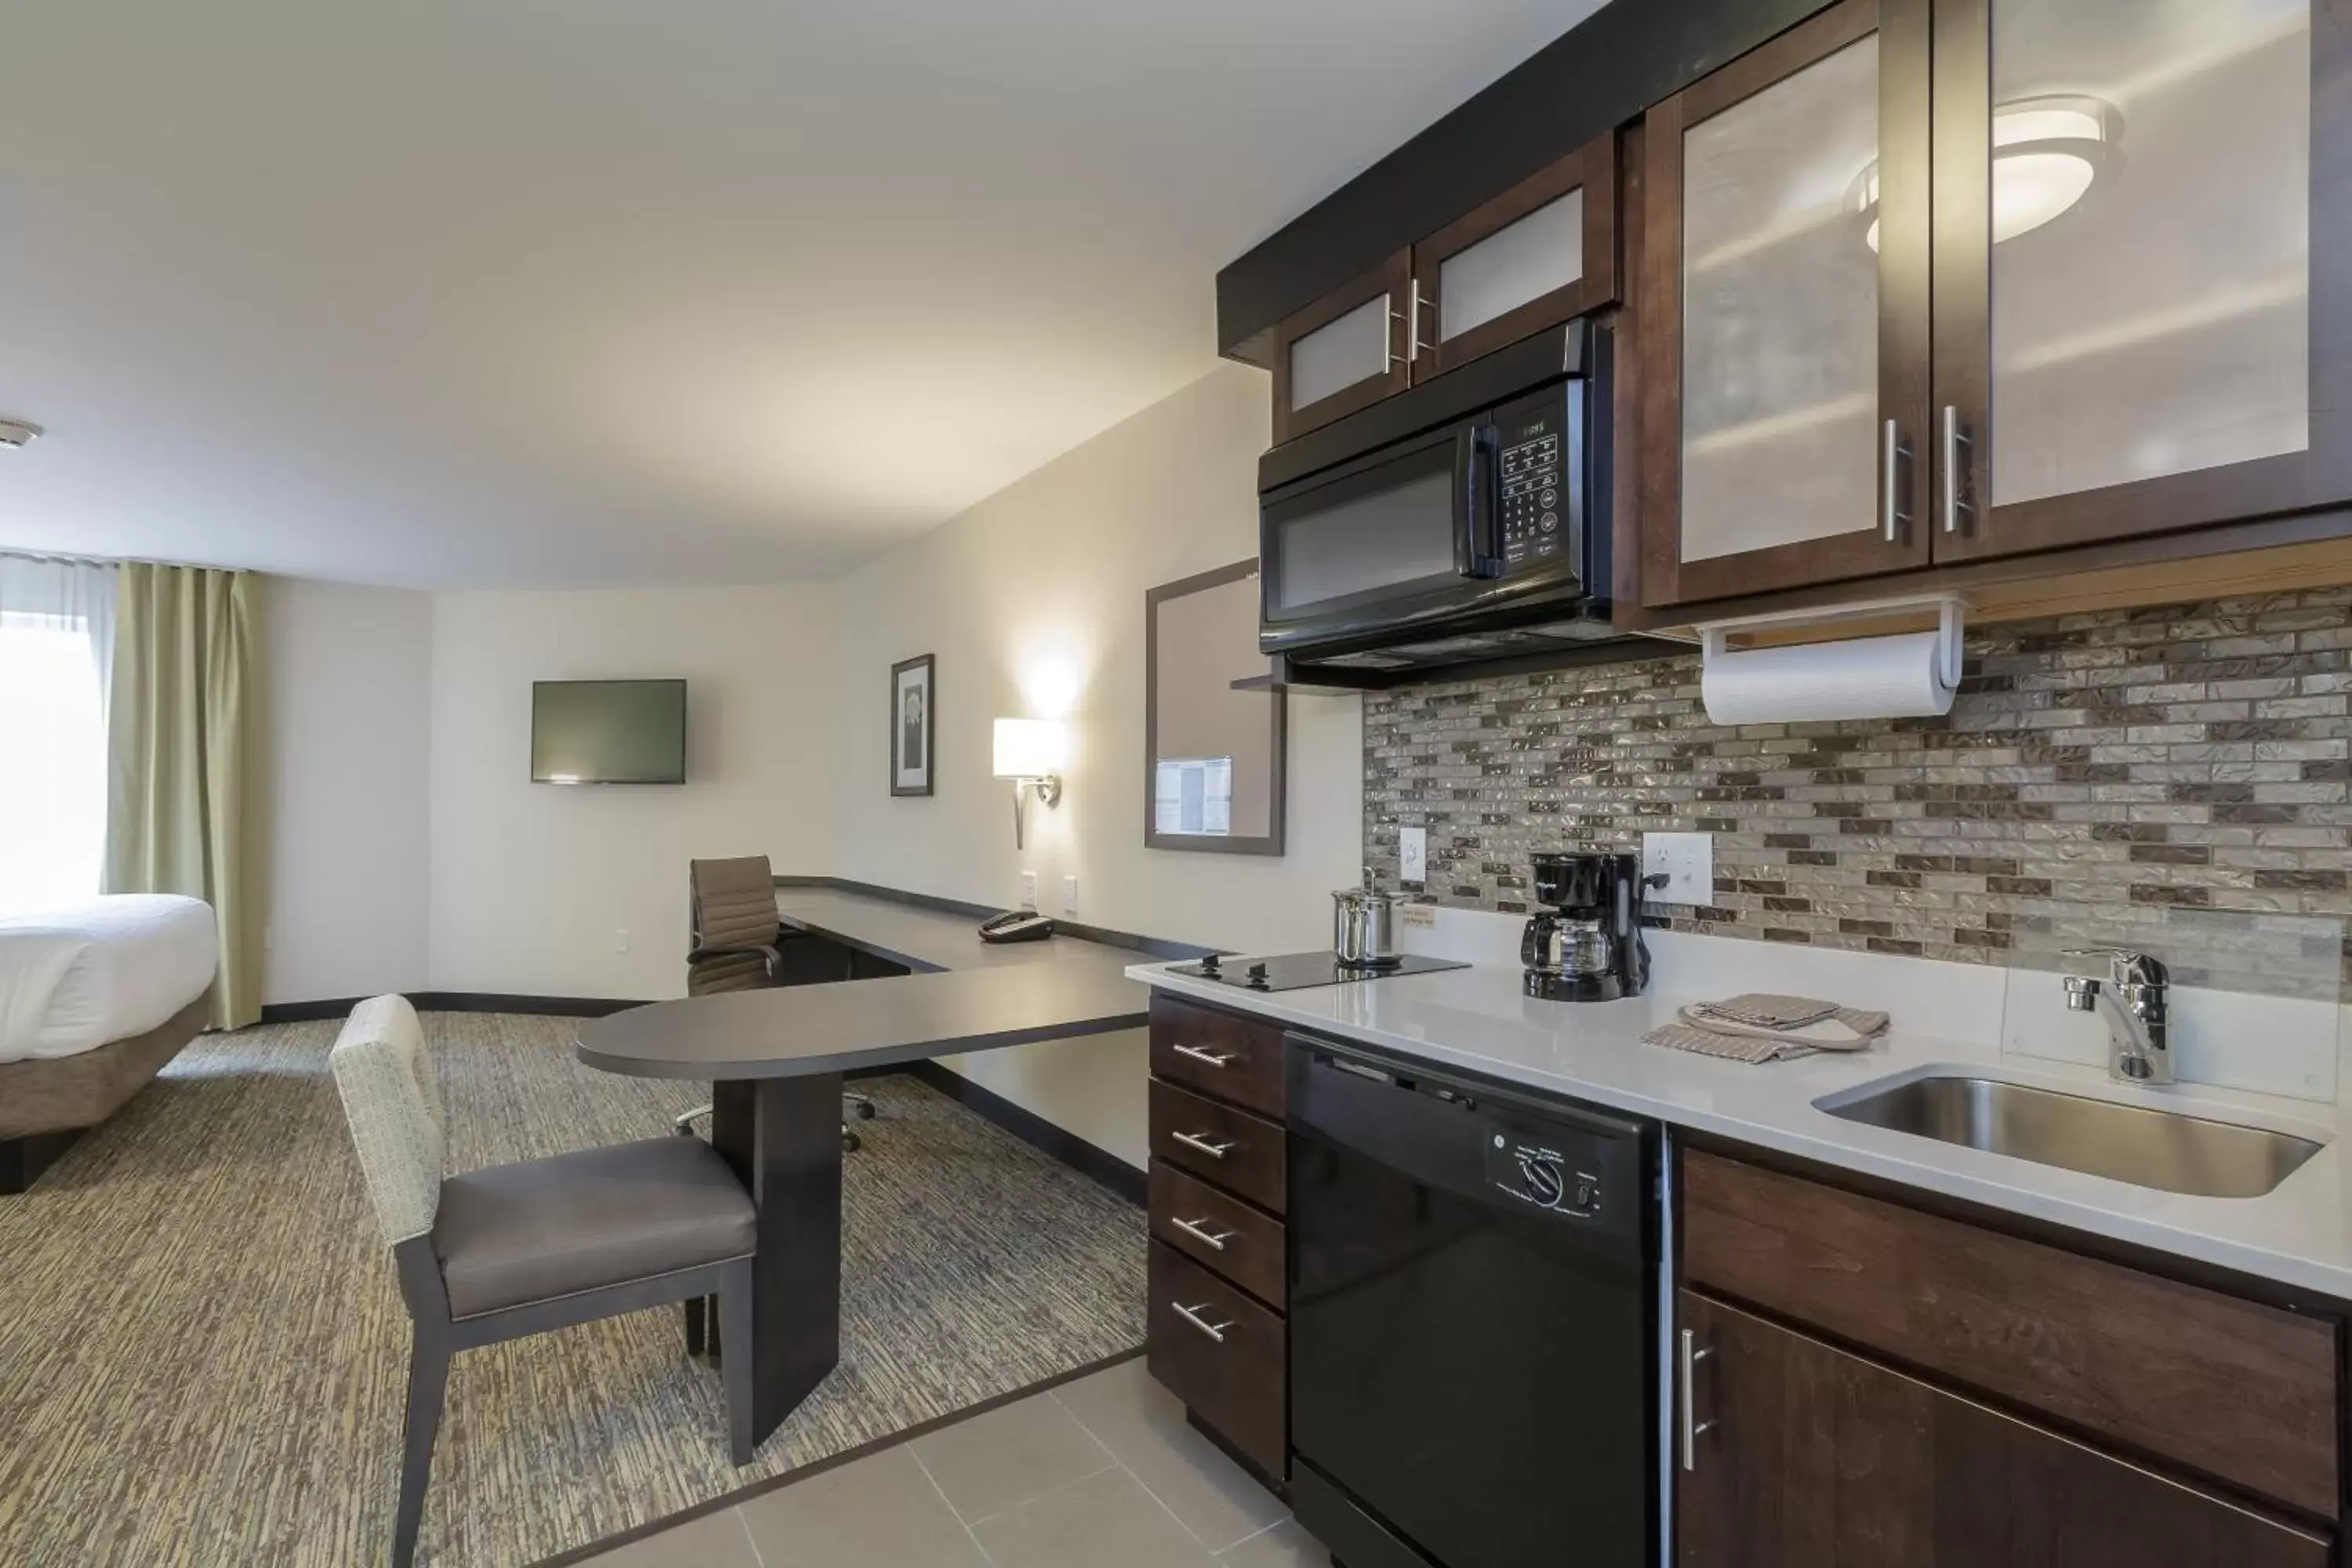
[(1100, 1471)]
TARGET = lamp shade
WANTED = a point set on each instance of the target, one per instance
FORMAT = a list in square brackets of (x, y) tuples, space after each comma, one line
[(1031, 748)]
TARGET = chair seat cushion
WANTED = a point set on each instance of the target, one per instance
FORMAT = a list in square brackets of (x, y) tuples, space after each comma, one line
[(530, 1231)]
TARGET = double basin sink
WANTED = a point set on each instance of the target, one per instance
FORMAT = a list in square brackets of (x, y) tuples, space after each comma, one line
[(2161, 1149)]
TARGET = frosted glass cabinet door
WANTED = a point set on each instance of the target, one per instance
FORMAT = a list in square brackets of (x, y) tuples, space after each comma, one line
[(1540, 253), (1790, 240), (1344, 353), (2128, 336)]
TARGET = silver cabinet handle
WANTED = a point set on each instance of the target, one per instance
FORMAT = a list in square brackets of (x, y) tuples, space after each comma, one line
[(1387, 303), (1895, 453), (1955, 440), (1193, 1315), (1691, 1355), (1198, 1229), (1209, 1146), (1413, 325), (1213, 1059)]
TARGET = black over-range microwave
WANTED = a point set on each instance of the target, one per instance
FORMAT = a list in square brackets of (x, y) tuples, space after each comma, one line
[(1462, 523)]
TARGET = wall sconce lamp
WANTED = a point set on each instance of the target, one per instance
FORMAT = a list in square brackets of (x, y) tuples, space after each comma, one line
[(1032, 751)]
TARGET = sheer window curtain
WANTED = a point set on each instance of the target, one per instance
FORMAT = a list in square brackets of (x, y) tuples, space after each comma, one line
[(57, 656)]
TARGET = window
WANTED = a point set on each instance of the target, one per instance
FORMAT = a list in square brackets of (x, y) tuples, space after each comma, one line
[(52, 663)]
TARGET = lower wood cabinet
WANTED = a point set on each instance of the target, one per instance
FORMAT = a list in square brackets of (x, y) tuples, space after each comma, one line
[(1803, 1455), (1218, 1334), (2205, 1383)]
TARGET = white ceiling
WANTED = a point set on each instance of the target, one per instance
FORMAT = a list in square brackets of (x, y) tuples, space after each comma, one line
[(562, 292)]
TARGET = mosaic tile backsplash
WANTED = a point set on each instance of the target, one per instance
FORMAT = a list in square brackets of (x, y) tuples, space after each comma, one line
[(2095, 774)]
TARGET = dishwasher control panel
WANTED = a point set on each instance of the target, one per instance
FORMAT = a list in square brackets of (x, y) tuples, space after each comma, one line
[(1543, 1170)]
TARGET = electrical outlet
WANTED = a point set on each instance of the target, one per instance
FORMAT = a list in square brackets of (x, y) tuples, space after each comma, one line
[(1069, 895), (621, 941), (1413, 856), (1687, 862), (1028, 889)]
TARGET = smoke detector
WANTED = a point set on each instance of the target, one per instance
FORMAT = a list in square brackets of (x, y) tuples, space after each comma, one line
[(14, 433)]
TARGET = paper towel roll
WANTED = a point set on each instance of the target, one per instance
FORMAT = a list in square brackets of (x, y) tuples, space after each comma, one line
[(1864, 677)]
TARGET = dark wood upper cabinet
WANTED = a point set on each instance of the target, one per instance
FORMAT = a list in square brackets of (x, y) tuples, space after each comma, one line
[(1542, 253), (1799, 1455), (2093, 258), (2143, 254), (1783, 312), (1346, 351)]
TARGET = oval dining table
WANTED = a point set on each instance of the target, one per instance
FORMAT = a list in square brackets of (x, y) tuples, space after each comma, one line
[(775, 1059)]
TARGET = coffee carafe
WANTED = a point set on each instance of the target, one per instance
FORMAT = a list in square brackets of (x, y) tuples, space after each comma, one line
[(1587, 946)]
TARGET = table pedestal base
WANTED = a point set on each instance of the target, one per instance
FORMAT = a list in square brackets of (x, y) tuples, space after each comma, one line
[(783, 1136)]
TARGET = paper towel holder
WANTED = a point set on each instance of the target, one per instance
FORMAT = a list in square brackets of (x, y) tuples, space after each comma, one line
[(1714, 636)]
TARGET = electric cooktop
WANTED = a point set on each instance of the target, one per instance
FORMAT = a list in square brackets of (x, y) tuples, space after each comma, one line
[(1297, 971)]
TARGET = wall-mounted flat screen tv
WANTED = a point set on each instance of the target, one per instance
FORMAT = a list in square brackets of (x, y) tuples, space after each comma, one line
[(608, 732)]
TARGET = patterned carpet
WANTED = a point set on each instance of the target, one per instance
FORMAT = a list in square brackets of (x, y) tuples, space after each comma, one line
[(203, 1350)]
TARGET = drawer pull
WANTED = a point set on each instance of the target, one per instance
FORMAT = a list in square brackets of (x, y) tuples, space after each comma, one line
[(1193, 1316), (1213, 1147), (1212, 1058), (1198, 1229)]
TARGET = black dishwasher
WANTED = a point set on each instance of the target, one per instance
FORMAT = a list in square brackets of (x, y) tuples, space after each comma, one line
[(1473, 1320)]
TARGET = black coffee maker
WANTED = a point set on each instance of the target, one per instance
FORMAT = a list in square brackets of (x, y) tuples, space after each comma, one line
[(1587, 947)]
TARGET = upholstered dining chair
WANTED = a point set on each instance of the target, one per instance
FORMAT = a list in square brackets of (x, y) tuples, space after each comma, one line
[(497, 1254)]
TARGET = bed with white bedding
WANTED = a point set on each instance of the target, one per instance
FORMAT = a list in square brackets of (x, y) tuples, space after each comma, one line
[(74, 979), (94, 999)]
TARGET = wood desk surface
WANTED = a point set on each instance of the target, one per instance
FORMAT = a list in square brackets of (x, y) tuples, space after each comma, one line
[(965, 995)]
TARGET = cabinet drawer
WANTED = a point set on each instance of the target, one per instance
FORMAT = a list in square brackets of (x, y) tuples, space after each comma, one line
[(1220, 1053), (1236, 1151), (1218, 1232), (1223, 1355), (2234, 1389)]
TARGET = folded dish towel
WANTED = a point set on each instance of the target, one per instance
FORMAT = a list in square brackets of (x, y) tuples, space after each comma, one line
[(1759, 1027)]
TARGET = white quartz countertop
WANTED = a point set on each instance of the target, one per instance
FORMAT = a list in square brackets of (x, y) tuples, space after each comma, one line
[(2299, 1235)]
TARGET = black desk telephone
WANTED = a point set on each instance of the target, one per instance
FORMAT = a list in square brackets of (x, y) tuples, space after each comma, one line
[(1018, 925)]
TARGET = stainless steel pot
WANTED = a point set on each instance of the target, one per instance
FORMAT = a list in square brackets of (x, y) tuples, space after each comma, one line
[(1363, 927)]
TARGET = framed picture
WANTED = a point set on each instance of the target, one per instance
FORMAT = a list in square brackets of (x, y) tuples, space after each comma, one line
[(910, 726)]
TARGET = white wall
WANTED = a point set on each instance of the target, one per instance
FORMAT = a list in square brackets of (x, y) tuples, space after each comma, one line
[(1047, 577), (350, 692), (529, 883)]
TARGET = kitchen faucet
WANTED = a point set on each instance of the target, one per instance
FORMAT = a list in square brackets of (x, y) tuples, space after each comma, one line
[(2139, 1046)]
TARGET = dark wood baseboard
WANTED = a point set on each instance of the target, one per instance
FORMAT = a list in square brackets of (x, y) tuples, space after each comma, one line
[(1046, 1137), (22, 1160), (458, 1002)]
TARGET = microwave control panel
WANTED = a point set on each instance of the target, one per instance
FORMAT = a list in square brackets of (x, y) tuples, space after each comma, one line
[(1538, 522)]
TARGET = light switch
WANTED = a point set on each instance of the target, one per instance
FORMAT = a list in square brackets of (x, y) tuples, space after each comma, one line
[(1413, 856), (621, 941), (1028, 889), (1069, 895), (1687, 861)]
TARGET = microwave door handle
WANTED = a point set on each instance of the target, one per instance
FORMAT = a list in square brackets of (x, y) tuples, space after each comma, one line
[(1477, 545)]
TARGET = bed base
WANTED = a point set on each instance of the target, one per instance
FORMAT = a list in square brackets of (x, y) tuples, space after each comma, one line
[(22, 1160), (48, 1102)]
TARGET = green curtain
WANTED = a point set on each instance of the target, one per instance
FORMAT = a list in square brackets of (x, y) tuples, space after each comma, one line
[(184, 758)]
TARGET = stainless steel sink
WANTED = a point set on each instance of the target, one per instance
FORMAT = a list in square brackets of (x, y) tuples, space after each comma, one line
[(2159, 1149)]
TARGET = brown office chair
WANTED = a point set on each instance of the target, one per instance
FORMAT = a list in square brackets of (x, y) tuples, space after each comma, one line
[(738, 944)]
